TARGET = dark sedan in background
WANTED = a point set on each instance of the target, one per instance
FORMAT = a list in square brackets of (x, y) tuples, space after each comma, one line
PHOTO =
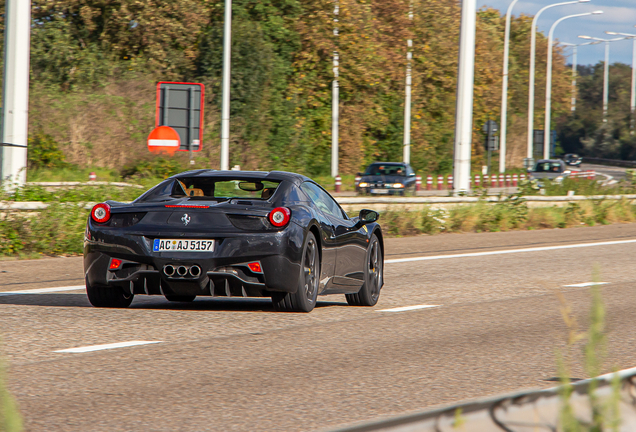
[(572, 159), (233, 233), (387, 178)]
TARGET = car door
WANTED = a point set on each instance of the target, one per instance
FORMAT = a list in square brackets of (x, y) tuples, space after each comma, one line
[(348, 240)]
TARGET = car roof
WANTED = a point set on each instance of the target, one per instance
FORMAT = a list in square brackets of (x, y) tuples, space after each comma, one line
[(248, 175), (389, 163), (549, 161)]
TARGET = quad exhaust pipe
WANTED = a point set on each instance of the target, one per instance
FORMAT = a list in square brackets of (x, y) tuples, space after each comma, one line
[(182, 271), (195, 271)]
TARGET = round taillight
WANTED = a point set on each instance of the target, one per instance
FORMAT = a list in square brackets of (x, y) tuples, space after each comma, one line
[(101, 213), (279, 217)]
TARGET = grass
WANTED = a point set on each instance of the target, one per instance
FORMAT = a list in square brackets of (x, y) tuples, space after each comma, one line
[(10, 419), (509, 214)]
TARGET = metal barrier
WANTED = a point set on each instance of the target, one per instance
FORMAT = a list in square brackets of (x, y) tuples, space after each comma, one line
[(519, 412)]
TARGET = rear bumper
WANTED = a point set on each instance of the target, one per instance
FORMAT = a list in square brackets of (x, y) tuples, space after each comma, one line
[(224, 271)]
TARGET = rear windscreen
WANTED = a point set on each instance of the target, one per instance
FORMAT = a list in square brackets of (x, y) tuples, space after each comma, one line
[(548, 167), (209, 188)]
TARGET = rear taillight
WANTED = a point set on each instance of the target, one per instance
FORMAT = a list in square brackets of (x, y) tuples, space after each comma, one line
[(279, 217), (101, 213)]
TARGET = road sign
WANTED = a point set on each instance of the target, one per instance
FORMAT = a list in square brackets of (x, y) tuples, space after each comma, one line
[(490, 127), (180, 106), (164, 139)]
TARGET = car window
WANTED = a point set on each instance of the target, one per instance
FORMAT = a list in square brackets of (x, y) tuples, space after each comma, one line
[(206, 188), (322, 200), (548, 167), (386, 169)]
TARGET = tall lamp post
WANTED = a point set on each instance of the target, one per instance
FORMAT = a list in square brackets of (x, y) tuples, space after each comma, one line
[(533, 44), (407, 96), (225, 103), (504, 93), (633, 96), (548, 85), (335, 97), (464, 104), (605, 71), (574, 70)]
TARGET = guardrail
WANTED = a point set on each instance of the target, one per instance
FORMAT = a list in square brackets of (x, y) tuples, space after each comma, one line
[(522, 411), (90, 183), (384, 203), (610, 162)]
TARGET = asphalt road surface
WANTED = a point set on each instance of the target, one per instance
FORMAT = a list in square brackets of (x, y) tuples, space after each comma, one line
[(235, 364), (617, 173)]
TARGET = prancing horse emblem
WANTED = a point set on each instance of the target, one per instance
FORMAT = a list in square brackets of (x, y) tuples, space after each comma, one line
[(185, 219)]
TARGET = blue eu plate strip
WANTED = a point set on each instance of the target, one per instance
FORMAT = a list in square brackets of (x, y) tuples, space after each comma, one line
[(155, 246)]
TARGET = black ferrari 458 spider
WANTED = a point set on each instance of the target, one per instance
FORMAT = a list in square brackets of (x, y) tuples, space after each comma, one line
[(233, 233)]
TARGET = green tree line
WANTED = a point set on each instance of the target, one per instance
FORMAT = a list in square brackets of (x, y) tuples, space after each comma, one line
[(94, 65)]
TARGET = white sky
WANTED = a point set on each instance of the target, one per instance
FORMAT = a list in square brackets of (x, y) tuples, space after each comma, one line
[(618, 16)]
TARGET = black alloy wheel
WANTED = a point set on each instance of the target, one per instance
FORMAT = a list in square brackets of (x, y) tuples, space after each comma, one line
[(373, 277), (109, 297), (304, 299), (180, 298)]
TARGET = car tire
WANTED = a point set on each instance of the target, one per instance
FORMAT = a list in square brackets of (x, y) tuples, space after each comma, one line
[(373, 277), (304, 299), (180, 298), (108, 297)]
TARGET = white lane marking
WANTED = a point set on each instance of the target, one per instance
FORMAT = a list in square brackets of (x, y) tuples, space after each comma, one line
[(43, 290), (586, 284), (106, 346), (509, 251), (408, 308)]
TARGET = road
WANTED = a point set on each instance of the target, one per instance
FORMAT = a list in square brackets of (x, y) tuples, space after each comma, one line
[(617, 173), (235, 364)]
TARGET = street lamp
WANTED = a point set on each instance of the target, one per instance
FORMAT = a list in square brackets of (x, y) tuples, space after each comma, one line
[(406, 151), (605, 72), (633, 98), (548, 85), (574, 65), (225, 98), (533, 43), (504, 93)]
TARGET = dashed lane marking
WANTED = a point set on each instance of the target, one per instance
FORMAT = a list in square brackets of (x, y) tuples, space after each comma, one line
[(508, 251), (106, 346), (408, 308), (43, 290), (586, 284)]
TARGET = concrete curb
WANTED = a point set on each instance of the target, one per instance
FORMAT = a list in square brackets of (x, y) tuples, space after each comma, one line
[(91, 183)]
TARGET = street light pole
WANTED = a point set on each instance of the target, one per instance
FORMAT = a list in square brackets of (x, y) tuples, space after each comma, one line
[(605, 71), (574, 69), (407, 96), (225, 106), (335, 97), (504, 93), (464, 105), (548, 85), (633, 95), (15, 93), (533, 44)]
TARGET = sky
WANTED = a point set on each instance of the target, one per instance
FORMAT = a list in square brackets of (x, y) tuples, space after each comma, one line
[(618, 16)]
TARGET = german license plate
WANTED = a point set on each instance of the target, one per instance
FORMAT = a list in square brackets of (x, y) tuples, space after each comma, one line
[(182, 245), (380, 191)]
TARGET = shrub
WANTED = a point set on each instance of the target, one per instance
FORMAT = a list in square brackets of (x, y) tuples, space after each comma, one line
[(44, 152)]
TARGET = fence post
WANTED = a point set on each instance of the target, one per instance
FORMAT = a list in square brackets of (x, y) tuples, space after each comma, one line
[(418, 183), (477, 180), (440, 182), (92, 177), (514, 180), (357, 181), (338, 183), (507, 180), (522, 177), (493, 180), (450, 182), (429, 182)]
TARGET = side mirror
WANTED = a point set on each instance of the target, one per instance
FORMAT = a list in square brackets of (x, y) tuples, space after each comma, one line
[(412, 174), (368, 216), (360, 174)]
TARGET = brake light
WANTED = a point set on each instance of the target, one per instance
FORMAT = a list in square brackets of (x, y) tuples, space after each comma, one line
[(255, 267), (101, 213), (279, 217), (114, 264)]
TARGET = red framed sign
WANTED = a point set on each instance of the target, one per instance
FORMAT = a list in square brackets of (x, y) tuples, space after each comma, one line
[(180, 106)]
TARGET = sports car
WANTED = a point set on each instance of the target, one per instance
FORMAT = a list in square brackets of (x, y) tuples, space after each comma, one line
[(233, 234)]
